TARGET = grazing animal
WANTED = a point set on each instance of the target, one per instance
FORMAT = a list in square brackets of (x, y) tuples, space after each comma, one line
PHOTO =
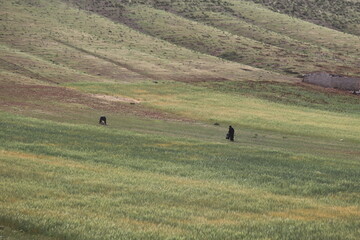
[(102, 120)]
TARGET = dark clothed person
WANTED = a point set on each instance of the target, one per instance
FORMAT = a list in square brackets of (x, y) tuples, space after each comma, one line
[(231, 133)]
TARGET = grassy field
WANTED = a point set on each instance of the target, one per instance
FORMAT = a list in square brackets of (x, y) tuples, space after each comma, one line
[(239, 108), (171, 76), (70, 181), (140, 178)]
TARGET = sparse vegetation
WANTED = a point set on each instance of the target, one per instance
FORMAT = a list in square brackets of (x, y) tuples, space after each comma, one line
[(252, 34), (343, 15)]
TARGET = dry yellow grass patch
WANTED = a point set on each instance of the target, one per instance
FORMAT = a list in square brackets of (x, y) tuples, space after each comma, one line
[(172, 144), (115, 98), (218, 221), (148, 226), (330, 212), (47, 160), (19, 154)]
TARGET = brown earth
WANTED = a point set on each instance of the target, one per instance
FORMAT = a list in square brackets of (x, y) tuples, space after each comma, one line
[(56, 99)]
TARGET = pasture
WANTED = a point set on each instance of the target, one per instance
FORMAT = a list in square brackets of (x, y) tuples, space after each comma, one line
[(170, 79), (142, 178)]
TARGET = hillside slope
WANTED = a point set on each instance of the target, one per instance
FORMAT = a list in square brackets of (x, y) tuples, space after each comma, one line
[(50, 43), (239, 31), (343, 15), (79, 43)]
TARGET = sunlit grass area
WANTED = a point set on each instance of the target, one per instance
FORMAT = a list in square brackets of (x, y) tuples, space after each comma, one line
[(241, 109), (82, 181)]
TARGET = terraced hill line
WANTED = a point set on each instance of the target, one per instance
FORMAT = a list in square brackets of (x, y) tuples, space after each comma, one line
[(19, 69), (120, 64), (238, 31), (104, 42), (231, 46), (343, 15)]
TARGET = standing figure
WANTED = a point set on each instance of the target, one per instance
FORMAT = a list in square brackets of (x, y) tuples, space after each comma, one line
[(231, 134), (102, 120)]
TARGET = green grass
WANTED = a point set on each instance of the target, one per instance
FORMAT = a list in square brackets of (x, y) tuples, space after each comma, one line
[(241, 108), (82, 181), (162, 168), (291, 94)]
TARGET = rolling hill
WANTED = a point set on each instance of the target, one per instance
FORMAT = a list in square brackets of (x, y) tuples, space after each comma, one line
[(171, 76), (343, 15)]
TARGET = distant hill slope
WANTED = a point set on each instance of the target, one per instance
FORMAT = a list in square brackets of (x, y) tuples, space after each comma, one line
[(52, 42), (238, 31), (108, 40), (343, 15)]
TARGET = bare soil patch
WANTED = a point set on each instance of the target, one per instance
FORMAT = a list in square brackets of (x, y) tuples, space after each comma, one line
[(115, 99), (57, 99), (197, 79)]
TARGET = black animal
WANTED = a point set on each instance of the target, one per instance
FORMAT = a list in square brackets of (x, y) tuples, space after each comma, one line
[(231, 133), (102, 120)]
